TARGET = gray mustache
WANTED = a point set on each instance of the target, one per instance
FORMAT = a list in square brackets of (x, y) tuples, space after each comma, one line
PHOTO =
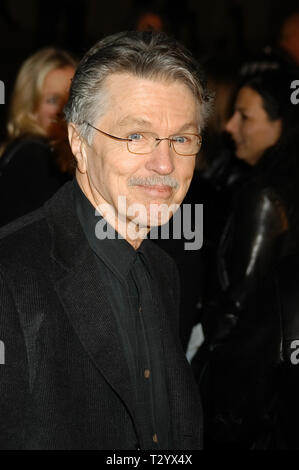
[(154, 180)]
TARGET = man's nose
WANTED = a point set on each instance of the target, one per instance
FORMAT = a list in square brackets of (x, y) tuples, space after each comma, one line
[(162, 158)]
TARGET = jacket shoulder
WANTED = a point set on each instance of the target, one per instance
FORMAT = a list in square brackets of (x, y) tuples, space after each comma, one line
[(263, 206), (24, 239), (257, 189), (22, 152)]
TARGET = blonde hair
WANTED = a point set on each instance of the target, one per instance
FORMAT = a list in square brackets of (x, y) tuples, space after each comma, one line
[(28, 87)]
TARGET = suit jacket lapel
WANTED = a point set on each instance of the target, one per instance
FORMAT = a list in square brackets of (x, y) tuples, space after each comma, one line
[(82, 294)]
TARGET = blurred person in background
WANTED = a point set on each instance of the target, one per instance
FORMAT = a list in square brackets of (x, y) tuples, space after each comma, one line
[(36, 158), (149, 21), (289, 37), (236, 366)]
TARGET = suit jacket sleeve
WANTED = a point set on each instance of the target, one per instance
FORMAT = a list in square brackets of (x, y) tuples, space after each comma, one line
[(13, 372)]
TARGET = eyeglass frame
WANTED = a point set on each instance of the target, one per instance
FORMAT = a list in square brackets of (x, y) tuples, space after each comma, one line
[(171, 143)]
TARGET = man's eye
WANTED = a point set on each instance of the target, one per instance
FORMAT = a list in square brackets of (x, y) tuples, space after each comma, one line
[(135, 137), (181, 139)]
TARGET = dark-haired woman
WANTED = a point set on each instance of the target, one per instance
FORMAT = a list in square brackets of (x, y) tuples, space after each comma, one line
[(237, 366)]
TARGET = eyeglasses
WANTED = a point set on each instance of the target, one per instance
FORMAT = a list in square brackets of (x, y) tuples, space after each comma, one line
[(142, 143)]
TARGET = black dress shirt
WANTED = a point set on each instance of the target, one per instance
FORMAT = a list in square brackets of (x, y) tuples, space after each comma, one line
[(136, 304)]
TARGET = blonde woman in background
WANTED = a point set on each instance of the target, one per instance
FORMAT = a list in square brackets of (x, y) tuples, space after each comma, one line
[(35, 159)]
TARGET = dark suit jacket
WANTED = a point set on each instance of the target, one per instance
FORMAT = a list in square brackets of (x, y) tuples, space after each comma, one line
[(65, 383)]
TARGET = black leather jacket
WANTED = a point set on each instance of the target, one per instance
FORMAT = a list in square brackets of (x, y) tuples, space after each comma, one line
[(250, 381), (239, 367), (254, 239), (287, 302)]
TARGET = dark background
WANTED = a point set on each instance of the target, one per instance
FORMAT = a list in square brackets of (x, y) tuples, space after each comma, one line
[(220, 32)]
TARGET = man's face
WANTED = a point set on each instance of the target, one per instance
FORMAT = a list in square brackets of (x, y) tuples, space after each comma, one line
[(137, 105)]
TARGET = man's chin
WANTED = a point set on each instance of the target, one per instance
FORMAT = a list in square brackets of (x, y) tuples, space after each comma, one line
[(152, 220)]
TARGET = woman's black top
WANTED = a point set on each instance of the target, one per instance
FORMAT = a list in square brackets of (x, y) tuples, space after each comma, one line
[(28, 177)]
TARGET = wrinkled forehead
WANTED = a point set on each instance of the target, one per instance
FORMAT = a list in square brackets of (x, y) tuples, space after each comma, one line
[(149, 100)]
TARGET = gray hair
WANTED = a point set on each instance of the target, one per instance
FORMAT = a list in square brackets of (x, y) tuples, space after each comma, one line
[(145, 54)]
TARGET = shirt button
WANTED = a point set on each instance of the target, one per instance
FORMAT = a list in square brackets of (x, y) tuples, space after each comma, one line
[(155, 438), (140, 309), (147, 373)]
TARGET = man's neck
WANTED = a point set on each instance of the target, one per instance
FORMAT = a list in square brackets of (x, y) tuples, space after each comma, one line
[(132, 233)]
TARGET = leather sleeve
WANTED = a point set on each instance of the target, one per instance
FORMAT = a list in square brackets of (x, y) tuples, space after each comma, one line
[(251, 243)]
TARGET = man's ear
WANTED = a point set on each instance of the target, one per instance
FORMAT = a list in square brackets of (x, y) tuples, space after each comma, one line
[(78, 148)]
